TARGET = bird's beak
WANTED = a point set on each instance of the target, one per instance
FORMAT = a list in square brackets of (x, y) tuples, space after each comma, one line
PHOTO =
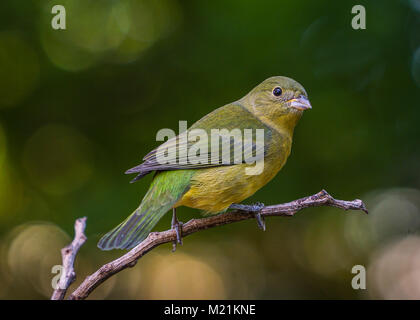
[(301, 103)]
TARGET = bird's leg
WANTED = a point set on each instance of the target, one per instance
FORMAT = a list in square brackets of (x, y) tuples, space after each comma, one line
[(177, 225), (256, 208)]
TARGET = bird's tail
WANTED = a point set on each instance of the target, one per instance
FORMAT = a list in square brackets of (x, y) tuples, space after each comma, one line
[(131, 231), (166, 189)]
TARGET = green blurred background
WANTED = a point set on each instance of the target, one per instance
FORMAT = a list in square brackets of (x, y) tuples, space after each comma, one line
[(80, 106)]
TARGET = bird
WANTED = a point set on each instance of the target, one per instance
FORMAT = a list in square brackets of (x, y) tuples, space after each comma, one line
[(274, 107)]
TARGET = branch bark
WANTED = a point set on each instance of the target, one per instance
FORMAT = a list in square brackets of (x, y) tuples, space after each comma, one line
[(68, 255), (155, 239)]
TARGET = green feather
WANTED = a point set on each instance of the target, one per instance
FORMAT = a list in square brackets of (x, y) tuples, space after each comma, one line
[(229, 117), (166, 189)]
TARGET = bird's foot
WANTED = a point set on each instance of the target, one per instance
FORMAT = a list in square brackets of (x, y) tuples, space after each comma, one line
[(177, 225), (255, 208)]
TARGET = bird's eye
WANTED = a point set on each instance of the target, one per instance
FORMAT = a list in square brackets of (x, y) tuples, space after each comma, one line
[(277, 91)]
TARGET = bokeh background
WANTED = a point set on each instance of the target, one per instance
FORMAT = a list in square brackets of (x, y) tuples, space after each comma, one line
[(80, 106)]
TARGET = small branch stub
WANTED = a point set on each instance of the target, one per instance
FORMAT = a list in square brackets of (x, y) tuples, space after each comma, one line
[(68, 254)]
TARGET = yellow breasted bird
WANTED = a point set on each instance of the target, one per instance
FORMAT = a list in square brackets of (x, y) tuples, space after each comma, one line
[(275, 106)]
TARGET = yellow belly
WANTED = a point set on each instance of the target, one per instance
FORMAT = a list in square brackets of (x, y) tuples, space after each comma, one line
[(215, 189)]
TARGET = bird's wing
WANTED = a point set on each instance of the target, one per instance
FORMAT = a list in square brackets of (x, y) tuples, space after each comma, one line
[(226, 119)]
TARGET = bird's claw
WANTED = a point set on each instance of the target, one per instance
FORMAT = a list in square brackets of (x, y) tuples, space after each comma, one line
[(260, 221), (177, 226), (255, 208), (178, 230), (258, 206)]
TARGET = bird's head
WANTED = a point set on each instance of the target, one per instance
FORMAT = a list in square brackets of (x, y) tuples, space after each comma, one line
[(278, 100)]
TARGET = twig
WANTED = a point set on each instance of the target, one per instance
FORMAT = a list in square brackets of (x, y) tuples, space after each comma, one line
[(68, 254), (157, 238)]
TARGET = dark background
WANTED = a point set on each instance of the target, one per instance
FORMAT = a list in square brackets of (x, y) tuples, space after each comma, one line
[(80, 106)]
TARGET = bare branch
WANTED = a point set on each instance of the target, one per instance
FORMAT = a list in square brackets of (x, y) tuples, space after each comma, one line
[(157, 238), (68, 254)]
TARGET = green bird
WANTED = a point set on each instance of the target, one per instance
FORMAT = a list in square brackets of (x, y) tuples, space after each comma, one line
[(213, 186)]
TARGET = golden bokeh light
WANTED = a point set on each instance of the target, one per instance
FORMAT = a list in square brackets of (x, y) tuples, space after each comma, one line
[(394, 212), (31, 250), (116, 31), (181, 276), (395, 270), (331, 253)]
